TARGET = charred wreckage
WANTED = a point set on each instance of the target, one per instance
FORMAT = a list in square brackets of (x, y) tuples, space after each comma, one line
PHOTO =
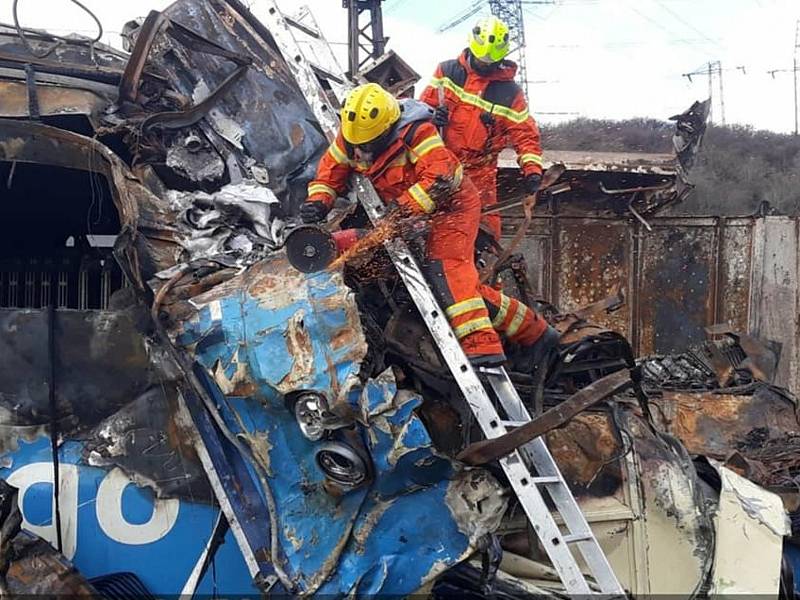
[(186, 412)]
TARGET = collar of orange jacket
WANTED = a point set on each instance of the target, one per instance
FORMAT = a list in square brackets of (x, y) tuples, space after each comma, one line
[(506, 72)]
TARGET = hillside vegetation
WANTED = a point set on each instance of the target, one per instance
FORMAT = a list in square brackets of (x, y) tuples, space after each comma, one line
[(738, 167)]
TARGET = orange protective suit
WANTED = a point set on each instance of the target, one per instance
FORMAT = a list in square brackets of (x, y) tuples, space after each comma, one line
[(487, 113), (418, 172)]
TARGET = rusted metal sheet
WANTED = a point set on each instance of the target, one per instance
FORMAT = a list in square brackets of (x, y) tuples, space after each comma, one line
[(536, 247), (735, 265), (52, 100), (677, 279), (587, 450), (689, 273), (717, 424), (594, 257)]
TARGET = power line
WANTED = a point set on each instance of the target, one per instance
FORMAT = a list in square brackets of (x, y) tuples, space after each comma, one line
[(465, 14), (624, 44), (650, 20), (711, 70), (677, 17), (393, 5)]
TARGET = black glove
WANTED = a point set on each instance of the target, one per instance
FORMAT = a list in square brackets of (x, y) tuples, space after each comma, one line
[(314, 211), (441, 116), (532, 183)]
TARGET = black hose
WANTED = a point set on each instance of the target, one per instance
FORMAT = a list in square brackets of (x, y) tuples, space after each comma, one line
[(59, 39)]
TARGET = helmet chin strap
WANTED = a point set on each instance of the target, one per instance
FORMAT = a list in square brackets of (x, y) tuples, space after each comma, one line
[(370, 151), (482, 67)]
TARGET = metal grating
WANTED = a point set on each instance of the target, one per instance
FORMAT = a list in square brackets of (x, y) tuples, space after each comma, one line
[(80, 282)]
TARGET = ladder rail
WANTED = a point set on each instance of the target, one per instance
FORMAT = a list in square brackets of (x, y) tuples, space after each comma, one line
[(322, 51), (565, 502)]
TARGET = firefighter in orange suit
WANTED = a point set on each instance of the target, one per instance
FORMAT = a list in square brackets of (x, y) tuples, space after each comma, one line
[(484, 111), (397, 147)]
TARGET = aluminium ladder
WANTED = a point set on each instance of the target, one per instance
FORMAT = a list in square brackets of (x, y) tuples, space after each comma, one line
[(528, 487)]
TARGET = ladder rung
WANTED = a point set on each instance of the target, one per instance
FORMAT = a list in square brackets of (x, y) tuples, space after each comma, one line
[(577, 537), (514, 423), (325, 74), (498, 371), (546, 479), (309, 31)]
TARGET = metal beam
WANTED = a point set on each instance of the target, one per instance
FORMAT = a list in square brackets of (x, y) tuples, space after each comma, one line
[(365, 33)]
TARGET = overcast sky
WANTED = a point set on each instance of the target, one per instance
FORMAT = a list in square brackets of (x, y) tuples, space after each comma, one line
[(593, 58)]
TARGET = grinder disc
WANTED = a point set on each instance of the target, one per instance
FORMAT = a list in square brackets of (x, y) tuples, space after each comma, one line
[(310, 248)]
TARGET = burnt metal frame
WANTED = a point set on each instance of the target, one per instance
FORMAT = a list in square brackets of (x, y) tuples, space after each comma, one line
[(367, 37)]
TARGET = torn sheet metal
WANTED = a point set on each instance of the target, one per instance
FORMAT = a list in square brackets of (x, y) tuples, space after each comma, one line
[(109, 524), (679, 531), (747, 517), (620, 183), (272, 332), (237, 220), (261, 127)]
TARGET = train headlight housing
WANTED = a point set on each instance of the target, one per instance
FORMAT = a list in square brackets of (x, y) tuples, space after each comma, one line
[(310, 411)]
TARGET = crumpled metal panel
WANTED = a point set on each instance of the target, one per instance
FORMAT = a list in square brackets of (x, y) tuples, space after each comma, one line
[(272, 331), (680, 531), (263, 119), (236, 220), (107, 392)]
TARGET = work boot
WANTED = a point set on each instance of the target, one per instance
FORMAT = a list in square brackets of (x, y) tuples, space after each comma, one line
[(540, 352), (484, 349), (487, 360)]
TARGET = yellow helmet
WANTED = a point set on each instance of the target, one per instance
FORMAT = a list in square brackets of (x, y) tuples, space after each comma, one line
[(368, 112), (488, 40)]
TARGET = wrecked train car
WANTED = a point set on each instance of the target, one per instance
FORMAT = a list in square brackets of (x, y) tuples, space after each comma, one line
[(257, 429)]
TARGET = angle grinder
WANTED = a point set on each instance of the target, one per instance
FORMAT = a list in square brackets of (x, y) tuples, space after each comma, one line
[(310, 248)]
